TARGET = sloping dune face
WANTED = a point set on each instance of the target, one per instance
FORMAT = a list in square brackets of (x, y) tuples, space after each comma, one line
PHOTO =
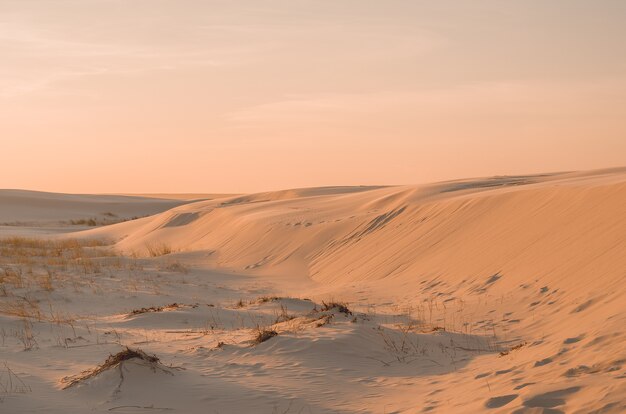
[(536, 262), (553, 228)]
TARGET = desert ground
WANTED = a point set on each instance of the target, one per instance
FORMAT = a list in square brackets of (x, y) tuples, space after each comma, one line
[(497, 294)]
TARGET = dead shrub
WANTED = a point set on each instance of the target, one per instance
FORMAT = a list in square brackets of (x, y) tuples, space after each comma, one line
[(111, 362)]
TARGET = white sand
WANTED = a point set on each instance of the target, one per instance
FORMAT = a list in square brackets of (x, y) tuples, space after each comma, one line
[(443, 281)]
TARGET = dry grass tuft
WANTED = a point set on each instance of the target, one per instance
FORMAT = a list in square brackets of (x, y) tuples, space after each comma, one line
[(158, 249), (283, 315), (26, 335)]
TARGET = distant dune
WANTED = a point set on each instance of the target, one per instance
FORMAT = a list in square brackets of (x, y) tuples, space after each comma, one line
[(36, 207), (179, 196)]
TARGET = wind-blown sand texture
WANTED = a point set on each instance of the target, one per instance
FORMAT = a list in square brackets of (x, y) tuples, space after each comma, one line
[(502, 294)]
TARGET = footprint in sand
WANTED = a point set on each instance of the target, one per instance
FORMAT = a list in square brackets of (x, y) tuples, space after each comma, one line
[(550, 399), (543, 362), (574, 340), (501, 401)]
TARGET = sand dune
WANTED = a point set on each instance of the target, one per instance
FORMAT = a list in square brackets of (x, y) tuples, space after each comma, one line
[(181, 196), (502, 294), (492, 225)]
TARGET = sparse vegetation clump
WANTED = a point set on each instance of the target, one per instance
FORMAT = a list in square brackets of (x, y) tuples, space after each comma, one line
[(25, 245), (176, 267), (266, 299), (91, 222), (32, 268), (283, 315), (38, 263), (48, 253), (107, 219), (111, 362), (155, 309), (515, 348), (264, 334)]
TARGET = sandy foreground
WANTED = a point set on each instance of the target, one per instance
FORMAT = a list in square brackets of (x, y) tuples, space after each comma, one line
[(502, 294)]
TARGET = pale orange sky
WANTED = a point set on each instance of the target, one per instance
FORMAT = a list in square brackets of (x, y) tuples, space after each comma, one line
[(250, 95)]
